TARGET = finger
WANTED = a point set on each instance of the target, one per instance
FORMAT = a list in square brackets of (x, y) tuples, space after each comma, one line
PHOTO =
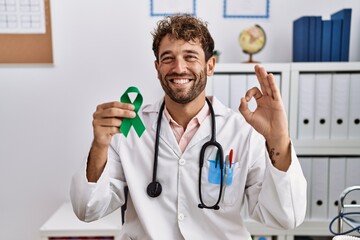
[(244, 110), (262, 77), (107, 122), (274, 88), (253, 93), (114, 113), (116, 104)]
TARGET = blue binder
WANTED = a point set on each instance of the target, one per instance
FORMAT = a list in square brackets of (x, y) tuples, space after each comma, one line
[(345, 16), (336, 40), (326, 41), (301, 39)]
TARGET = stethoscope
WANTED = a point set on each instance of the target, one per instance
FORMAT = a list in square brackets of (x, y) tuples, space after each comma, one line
[(154, 188)]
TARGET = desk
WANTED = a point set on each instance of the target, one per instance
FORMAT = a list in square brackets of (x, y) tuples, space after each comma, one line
[(63, 223)]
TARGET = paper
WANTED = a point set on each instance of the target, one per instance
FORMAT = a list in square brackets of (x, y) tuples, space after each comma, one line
[(171, 7), (22, 16), (246, 8)]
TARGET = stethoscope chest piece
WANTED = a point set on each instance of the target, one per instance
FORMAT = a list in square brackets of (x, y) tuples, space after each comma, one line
[(154, 189)]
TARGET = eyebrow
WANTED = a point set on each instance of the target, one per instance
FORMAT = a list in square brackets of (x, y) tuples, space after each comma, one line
[(186, 51)]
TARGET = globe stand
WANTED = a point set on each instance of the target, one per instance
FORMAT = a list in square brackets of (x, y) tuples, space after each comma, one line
[(250, 58)]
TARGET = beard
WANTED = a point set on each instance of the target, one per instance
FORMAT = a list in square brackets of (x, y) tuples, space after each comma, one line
[(183, 96)]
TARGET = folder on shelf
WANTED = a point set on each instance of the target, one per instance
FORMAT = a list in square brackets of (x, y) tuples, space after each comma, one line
[(353, 178), (306, 106), (345, 16), (322, 106), (314, 39), (326, 40), (301, 39), (221, 88), (319, 186), (336, 40), (337, 175), (306, 165), (340, 106), (252, 81), (237, 90), (354, 107)]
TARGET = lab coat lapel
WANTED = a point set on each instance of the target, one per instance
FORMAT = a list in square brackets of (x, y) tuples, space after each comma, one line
[(166, 134)]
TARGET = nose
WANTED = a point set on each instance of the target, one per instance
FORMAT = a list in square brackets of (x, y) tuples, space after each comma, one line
[(180, 65)]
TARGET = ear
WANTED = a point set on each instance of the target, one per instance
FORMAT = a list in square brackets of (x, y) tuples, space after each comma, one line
[(156, 64), (211, 66)]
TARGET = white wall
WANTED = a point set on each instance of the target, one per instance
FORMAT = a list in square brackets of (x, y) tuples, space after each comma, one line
[(101, 48)]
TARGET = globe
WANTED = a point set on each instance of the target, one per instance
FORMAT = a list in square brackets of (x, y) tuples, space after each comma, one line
[(252, 40)]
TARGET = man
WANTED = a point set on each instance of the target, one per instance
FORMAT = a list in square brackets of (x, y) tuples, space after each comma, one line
[(264, 168)]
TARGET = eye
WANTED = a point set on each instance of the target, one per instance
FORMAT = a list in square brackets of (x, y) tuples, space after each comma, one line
[(191, 58), (167, 59)]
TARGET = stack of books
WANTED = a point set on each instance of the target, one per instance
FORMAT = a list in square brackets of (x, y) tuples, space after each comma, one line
[(317, 40)]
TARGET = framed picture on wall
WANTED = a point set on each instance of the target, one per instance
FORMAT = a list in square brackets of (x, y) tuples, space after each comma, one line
[(246, 8), (172, 7)]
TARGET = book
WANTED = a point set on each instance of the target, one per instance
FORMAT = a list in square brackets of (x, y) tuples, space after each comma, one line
[(301, 39), (326, 40), (314, 39), (345, 16)]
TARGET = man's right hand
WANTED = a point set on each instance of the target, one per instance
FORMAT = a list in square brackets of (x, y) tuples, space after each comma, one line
[(106, 122)]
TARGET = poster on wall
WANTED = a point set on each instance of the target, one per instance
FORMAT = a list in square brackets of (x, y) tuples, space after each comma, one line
[(172, 7), (20, 16), (246, 8)]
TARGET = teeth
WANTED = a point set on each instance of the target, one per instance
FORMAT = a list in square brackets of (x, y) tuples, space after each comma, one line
[(181, 81)]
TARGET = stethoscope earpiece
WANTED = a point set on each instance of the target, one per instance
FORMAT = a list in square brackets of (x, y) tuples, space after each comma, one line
[(154, 189)]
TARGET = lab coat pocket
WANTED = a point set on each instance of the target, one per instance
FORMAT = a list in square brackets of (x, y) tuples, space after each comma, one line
[(212, 186)]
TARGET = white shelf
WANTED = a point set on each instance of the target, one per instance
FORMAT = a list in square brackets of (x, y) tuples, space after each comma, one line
[(64, 223)]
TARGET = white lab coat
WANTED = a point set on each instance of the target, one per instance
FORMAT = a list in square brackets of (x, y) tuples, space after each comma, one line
[(275, 198)]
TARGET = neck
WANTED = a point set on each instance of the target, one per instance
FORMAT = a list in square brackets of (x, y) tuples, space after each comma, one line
[(183, 113)]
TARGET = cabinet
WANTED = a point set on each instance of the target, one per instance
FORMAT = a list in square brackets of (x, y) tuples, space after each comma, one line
[(329, 159), (63, 224)]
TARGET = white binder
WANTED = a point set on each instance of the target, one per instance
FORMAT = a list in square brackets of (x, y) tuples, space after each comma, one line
[(322, 106), (237, 90), (306, 165), (252, 81), (221, 88), (340, 106), (353, 178), (337, 176), (319, 186), (306, 106), (354, 107)]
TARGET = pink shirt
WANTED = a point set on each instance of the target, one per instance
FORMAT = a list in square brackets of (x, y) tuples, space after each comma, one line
[(183, 136)]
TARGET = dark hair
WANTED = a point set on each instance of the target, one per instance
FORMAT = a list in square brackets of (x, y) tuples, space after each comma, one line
[(185, 27)]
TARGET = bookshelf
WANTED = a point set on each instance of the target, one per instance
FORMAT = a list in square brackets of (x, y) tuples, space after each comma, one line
[(288, 75)]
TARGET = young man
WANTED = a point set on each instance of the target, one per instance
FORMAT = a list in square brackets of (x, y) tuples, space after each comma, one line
[(185, 201)]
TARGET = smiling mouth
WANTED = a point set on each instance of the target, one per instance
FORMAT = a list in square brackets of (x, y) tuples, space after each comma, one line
[(180, 81)]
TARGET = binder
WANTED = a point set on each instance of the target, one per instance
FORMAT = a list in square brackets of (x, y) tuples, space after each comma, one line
[(306, 106), (322, 106), (326, 40), (319, 186), (306, 165), (353, 178), (336, 40), (354, 107), (340, 106), (314, 38), (221, 88), (337, 175), (237, 90), (252, 81), (345, 16), (301, 39)]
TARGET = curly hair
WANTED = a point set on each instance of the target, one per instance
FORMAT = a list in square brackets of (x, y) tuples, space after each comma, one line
[(185, 27)]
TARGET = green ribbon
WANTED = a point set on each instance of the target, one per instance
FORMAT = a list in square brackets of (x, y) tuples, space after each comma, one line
[(135, 122)]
